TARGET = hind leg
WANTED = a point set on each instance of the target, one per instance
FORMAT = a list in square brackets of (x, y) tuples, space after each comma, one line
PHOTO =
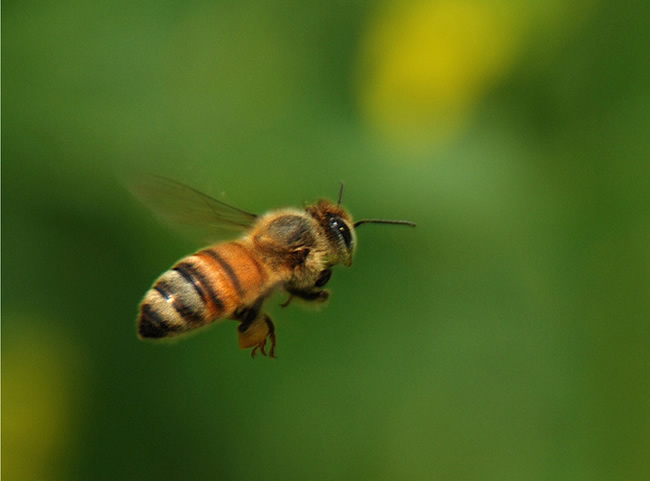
[(254, 330)]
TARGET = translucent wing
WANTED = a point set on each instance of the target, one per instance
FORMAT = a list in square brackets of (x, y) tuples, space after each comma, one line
[(182, 204)]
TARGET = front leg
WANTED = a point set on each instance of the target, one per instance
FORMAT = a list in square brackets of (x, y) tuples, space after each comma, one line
[(323, 278), (311, 295), (314, 293)]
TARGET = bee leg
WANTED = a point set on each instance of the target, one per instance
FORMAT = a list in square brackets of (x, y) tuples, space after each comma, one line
[(254, 331), (324, 278), (287, 302), (316, 295), (246, 315), (271, 336), (261, 347)]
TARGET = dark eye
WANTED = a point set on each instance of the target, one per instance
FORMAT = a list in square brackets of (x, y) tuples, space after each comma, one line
[(340, 228)]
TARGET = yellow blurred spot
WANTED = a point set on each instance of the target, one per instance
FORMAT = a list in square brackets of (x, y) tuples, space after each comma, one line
[(38, 401), (426, 64)]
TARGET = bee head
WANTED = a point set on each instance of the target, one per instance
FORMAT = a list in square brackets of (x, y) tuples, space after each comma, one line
[(337, 225), (340, 230)]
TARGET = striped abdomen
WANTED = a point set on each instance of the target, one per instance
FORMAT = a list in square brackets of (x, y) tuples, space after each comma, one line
[(202, 288)]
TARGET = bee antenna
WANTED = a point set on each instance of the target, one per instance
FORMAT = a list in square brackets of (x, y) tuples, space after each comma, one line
[(341, 184), (384, 221)]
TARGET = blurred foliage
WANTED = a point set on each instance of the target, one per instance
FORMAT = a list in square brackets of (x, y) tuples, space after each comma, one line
[(507, 337)]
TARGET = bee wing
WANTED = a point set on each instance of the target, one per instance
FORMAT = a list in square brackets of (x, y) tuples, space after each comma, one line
[(182, 204)]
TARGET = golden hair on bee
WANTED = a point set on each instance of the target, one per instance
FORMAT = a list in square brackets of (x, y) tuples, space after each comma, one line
[(286, 249)]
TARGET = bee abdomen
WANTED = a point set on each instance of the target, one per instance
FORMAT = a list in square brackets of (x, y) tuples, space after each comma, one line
[(180, 300), (151, 324), (202, 288), (235, 269)]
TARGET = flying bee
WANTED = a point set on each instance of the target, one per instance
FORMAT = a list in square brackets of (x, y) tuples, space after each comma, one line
[(286, 249)]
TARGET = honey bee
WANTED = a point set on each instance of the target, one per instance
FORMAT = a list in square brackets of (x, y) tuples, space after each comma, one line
[(287, 249)]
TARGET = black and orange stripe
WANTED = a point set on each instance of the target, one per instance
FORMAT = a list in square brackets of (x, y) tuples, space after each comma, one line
[(209, 285), (247, 254), (219, 264)]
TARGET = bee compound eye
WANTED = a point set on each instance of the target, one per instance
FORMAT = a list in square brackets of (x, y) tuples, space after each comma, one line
[(341, 229)]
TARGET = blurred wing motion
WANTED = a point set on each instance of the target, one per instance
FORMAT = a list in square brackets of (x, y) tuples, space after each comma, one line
[(181, 204)]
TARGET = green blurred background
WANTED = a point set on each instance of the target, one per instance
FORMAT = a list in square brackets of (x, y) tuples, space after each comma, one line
[(506, 338)]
